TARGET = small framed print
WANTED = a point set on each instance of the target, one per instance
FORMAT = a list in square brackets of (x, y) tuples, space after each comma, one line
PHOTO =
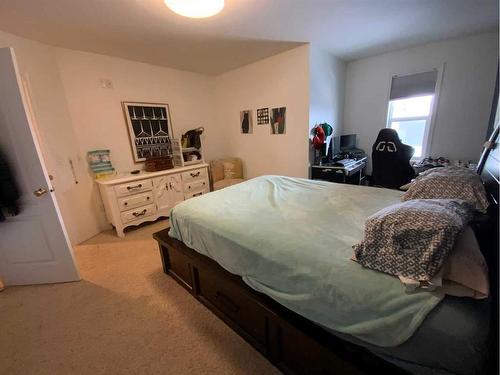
[(278, 120), (246, 124), (263, 116), (149, 128)]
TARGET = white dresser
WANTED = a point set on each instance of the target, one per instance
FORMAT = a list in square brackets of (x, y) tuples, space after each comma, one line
[(134, 199)]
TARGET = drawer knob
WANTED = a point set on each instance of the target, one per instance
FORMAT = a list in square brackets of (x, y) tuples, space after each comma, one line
[(137, 214), (134, 187), (147, 198), (125, 204)]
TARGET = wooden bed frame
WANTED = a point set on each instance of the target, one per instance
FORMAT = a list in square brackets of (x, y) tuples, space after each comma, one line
[(291, 342)]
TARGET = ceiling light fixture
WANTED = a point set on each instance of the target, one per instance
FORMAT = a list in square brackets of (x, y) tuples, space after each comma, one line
[(195, 8)]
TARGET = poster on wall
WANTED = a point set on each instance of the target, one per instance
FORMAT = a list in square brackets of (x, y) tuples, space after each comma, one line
[(263, 116), (278, 120), (150, 129), (246, 124)]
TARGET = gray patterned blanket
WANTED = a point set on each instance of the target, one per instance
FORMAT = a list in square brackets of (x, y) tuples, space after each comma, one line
[(413, 238)]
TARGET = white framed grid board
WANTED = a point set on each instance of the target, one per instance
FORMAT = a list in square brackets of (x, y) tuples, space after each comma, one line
[(263, 116), (150, 129)]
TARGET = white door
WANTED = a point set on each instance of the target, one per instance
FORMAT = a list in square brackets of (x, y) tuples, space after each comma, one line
[(34, 246), (168, 191), (161, 193), (175, 188)]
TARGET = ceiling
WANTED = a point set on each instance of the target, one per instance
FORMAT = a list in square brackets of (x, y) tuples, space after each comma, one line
[(245, 31)]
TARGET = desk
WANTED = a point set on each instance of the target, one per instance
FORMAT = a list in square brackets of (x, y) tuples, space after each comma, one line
[(347, 171)]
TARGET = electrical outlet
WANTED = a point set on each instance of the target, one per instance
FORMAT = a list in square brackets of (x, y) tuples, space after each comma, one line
[(106, 83)]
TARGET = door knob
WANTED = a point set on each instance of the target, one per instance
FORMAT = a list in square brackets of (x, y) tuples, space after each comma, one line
[(40, 192)]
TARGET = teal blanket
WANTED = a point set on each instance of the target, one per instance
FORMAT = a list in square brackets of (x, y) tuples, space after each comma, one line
[(291, 239)]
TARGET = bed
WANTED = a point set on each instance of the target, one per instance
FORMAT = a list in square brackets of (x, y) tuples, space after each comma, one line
[(271, 257)]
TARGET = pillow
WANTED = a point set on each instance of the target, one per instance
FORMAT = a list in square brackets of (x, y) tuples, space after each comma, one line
[(449, 183), (217, 170), (449, 171), (412, 239), (464, 273), (232, 169), (229, 170)]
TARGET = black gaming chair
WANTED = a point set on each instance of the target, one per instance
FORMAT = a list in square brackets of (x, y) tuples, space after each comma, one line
[(391, 160)]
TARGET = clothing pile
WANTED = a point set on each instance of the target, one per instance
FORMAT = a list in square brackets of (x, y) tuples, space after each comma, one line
[(9, 194)]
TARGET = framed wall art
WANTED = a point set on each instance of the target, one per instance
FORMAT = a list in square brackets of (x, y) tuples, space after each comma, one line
[(246, 123), (278, 120), (262, 116), (149, 128)]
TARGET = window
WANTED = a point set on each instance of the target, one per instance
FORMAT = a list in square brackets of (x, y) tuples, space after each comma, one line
[(410, 118), (410, 109)]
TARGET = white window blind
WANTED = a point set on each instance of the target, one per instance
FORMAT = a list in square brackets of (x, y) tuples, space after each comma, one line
[(419, 84)]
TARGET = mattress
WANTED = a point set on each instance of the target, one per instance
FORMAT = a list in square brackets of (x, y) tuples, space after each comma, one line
[(291, 239), (453, 339)]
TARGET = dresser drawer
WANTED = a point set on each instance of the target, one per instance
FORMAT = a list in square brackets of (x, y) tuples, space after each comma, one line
[(138, 213), (135, 200), (133, 187), (193, 194), (195, 186), (195, 174)]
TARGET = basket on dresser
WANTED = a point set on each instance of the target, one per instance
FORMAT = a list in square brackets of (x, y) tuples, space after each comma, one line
[(159, 163)]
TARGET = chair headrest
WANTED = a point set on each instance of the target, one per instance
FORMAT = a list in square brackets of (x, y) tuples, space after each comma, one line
[(383, 146)]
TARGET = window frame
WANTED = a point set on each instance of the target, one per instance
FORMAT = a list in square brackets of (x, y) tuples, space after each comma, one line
[(427, 119), (431, 118)]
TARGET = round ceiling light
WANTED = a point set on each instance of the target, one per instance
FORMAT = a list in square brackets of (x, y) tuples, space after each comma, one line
[(195, 8)]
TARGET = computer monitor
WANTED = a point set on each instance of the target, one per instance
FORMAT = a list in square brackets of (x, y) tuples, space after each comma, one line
[(347, 142), (334, 147)]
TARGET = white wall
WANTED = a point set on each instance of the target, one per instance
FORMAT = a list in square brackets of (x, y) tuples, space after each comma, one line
[(97, 115), (278, 81), (465, 97), (327, 87)]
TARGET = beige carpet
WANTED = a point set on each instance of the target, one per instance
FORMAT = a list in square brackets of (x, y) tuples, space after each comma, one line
[(124, 317)]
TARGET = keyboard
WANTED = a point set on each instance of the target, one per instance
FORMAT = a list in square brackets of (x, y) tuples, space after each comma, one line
[(345, 162)]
